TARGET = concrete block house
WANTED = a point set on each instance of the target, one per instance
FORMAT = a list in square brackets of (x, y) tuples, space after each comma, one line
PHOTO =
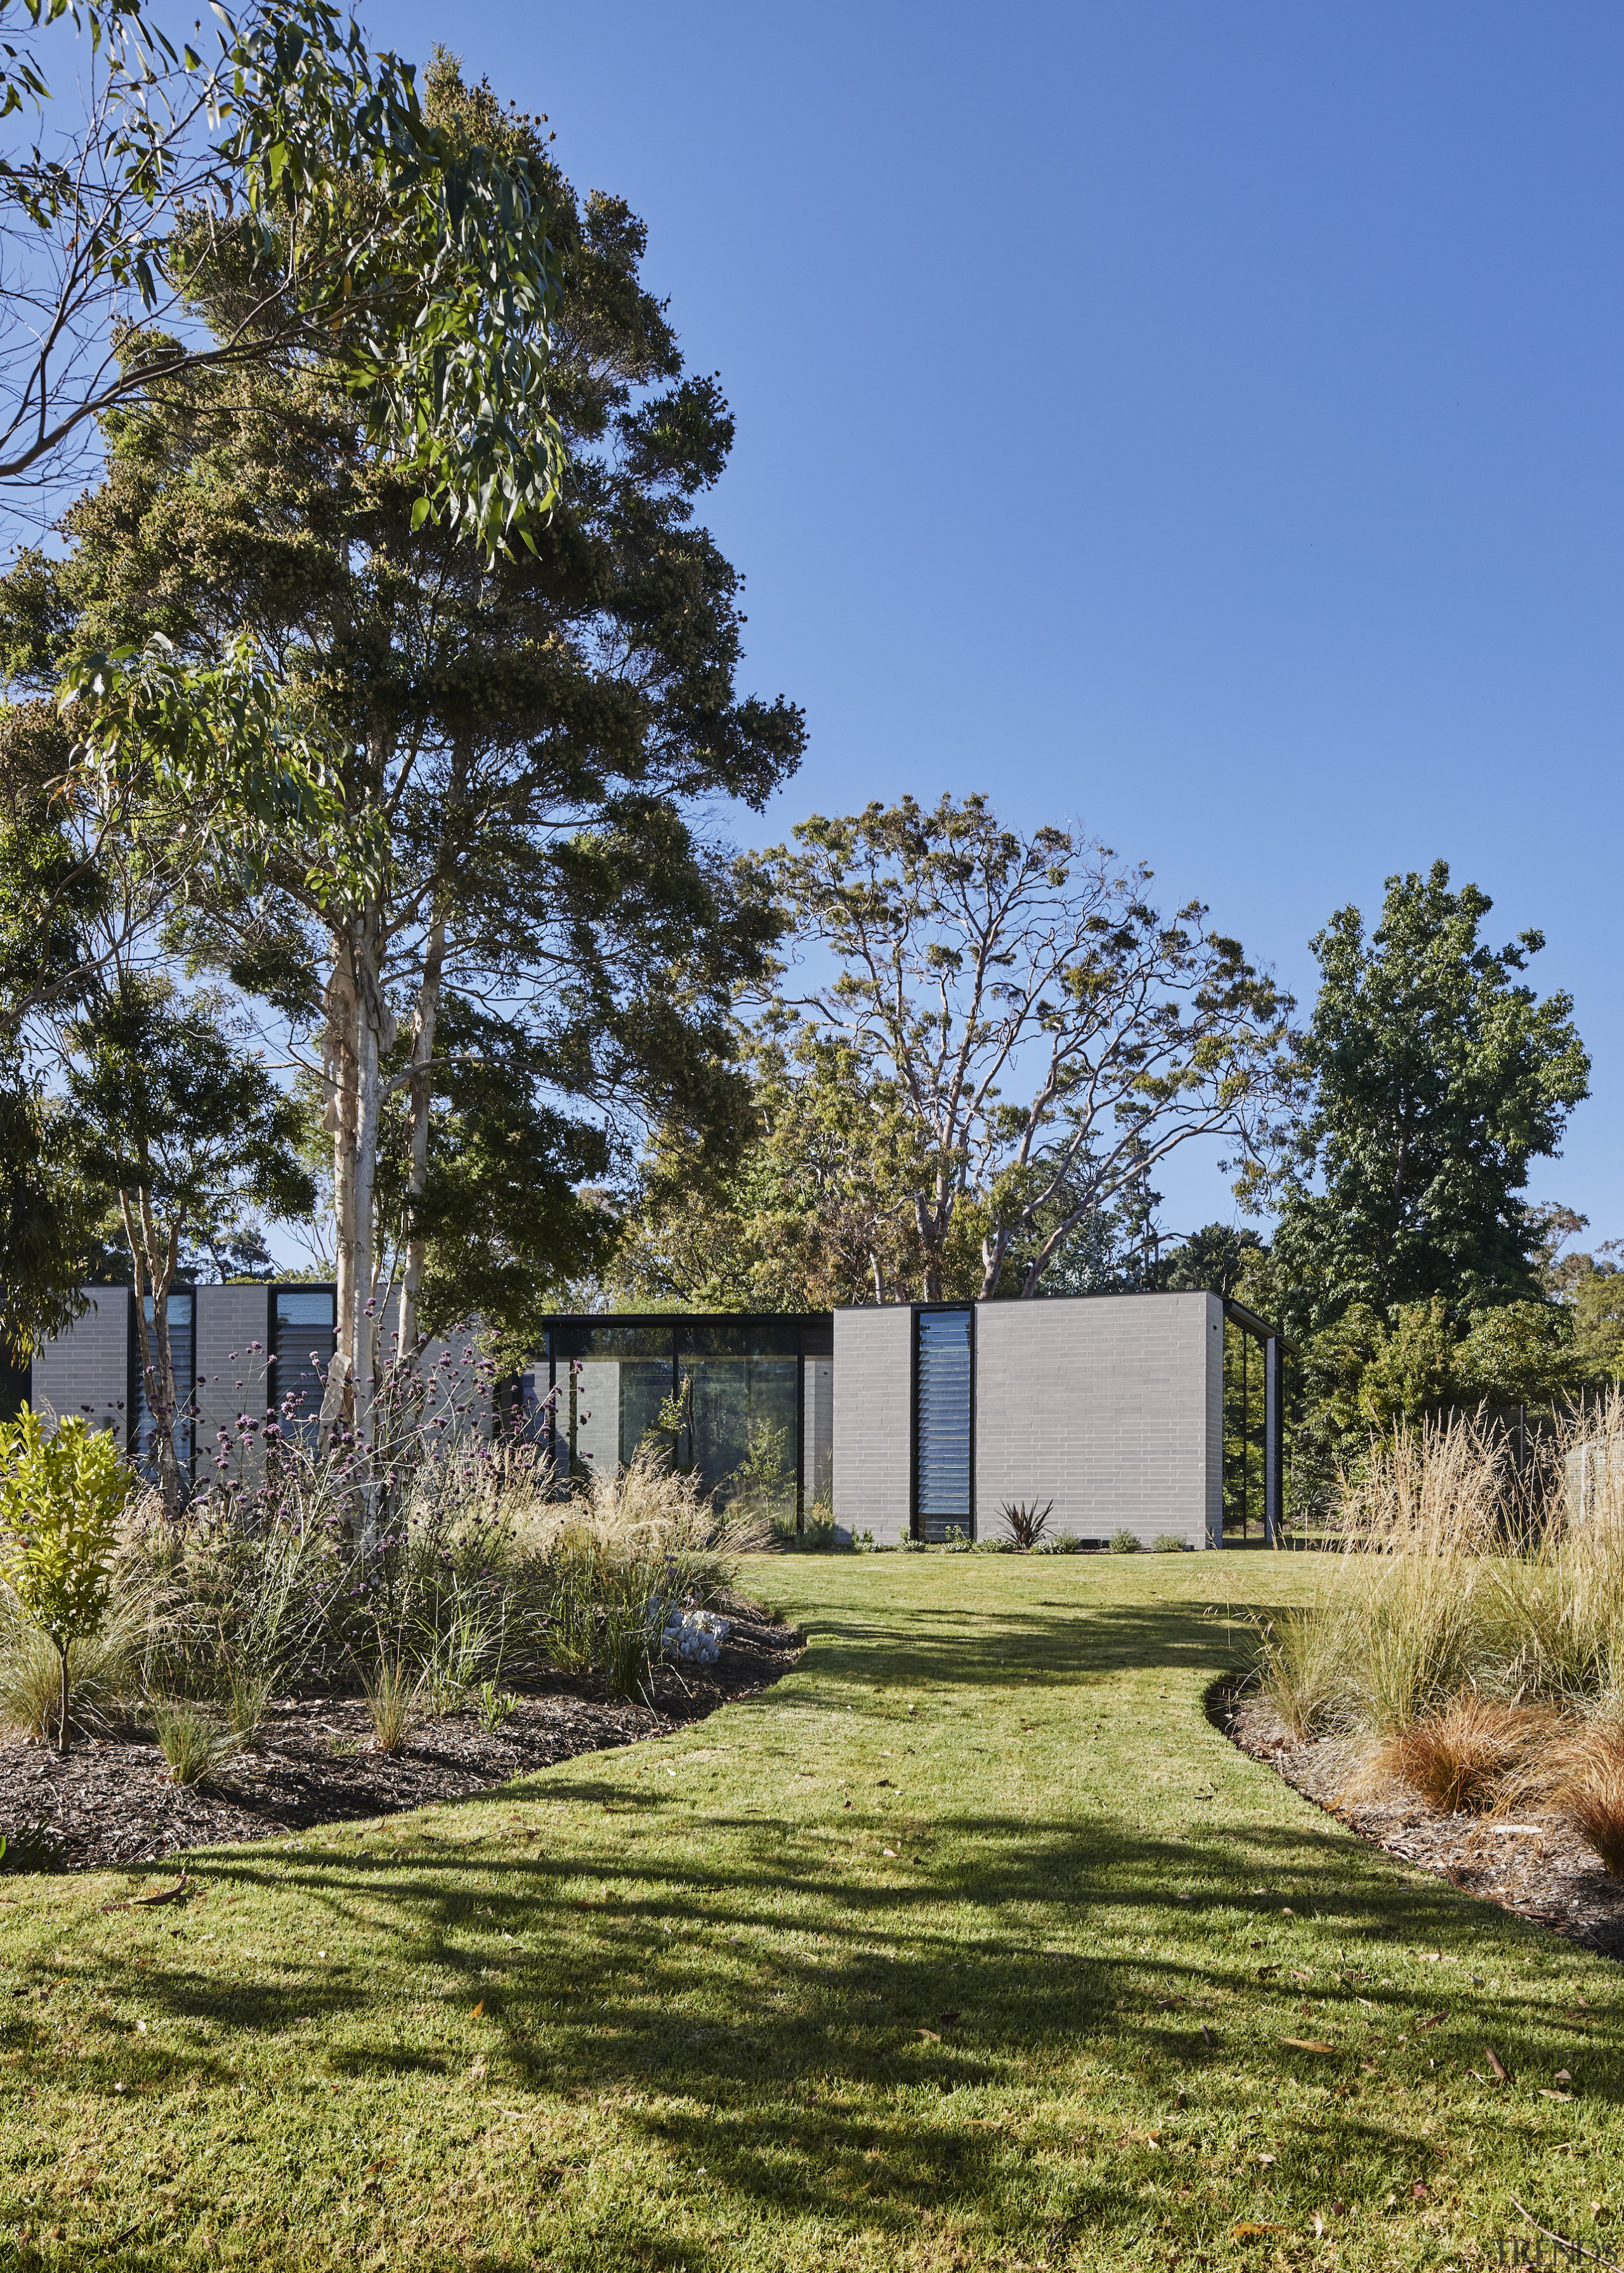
[(1155, 1413)]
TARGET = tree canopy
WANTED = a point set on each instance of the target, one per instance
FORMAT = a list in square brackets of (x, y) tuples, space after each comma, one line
[(1437, 1074), (1032, 1037), (503, 944)]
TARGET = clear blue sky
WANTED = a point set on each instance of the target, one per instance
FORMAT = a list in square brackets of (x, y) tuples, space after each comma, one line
[(1201, 420)]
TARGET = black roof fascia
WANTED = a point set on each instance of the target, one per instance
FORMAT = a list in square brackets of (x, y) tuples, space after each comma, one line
[(686, 1317), (1249, 1320)]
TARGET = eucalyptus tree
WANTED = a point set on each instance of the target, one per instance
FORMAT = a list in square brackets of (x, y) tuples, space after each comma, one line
[(1046, 1037), (516, 745), (409, 267)]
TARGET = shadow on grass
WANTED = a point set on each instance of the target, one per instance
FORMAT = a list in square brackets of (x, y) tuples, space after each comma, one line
[(831, 2031)]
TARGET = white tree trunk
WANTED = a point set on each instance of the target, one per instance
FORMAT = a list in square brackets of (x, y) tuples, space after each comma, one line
[(423, 1022)]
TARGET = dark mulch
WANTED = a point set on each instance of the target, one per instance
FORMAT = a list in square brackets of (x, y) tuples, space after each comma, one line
[(112, 1802), (1533, 1863)]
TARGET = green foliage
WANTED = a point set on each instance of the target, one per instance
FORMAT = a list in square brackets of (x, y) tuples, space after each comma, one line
[(494, 1706), (409, 261), (60, 1497), (765, 1478), (1125, 1541), (1410, 1370), (191, 1740), (964, 951), (1437, 1076), (471, 862)]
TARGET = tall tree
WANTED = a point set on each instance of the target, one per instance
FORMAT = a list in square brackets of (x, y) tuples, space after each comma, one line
[(1046, 1037), (169, 1112), (411, 266), (519, 743), (1437, 1074)]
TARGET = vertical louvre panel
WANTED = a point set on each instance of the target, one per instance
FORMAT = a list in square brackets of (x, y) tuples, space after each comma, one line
[(942, 1422), (306, 1337)]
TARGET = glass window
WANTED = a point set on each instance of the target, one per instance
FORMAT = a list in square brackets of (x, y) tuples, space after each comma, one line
[(740, 1438), (818, 1443), (750, 1337), (942, 1422), (610, 1341), (182, 1346)]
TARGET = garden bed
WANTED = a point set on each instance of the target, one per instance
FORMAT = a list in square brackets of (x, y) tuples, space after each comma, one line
[(113, 1802), (1532, 1863)]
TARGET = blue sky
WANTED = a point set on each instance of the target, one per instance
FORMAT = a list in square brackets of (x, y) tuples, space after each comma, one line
[(1204, 421)]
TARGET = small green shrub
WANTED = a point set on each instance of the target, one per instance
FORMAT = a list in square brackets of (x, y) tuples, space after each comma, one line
[(60, 1496), (190, 1739), (31, 1847), (495, 1706), (1125, 1541), (1168, 1543)]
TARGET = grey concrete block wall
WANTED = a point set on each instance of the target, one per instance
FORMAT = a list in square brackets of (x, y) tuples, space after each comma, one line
[(874, 1422), (1104, 1404), (87, 1370)]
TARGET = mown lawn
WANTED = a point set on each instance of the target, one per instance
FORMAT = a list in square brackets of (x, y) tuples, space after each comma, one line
[(972, 1943)]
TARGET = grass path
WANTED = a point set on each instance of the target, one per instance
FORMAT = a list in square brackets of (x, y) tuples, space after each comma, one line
[(971, 1944)]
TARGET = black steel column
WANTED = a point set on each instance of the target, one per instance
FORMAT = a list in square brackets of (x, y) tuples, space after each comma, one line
[(1274, 1432), (800, 1435)]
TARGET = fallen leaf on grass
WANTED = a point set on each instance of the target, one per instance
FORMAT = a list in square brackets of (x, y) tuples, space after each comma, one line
[(1319, 2227), (1562, 2076), (478, 2009), (929, 2035), (1419, 2192), (1433, 2022), (151, 1901), (1247, 2227), (1544, 2094), (1502, 2073), (1306, 2044), (1206, 2035), (947, 2018), (1296, 1976)]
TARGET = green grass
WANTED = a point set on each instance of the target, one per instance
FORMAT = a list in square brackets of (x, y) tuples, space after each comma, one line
[(677, 2007)]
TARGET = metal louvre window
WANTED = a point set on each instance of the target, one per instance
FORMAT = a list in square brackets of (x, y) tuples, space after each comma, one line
[(305, 1340), (942, 1392)]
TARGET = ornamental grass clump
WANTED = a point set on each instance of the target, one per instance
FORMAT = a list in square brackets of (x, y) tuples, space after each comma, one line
[(1589, 1791), (1467, 1755), (190, 1738), (623, 1549), (60, 1497), (394, 1695)]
